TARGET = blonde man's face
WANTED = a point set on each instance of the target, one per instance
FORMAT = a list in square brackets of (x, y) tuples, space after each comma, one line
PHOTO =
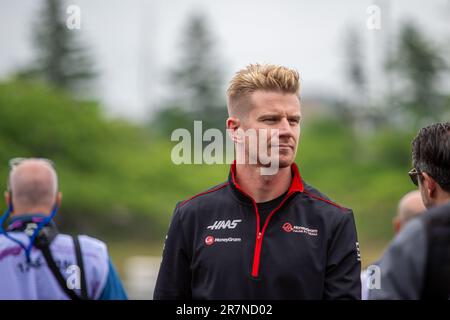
[(271, 110)]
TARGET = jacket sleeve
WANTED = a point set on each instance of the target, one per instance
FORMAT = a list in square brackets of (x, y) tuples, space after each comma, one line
[(113, 289), (402, 266), (174, 277), (343, 269)]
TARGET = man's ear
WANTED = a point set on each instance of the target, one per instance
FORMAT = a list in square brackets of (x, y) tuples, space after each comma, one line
[(7, 198), (396, 224), (233, 124), (59, 199), (429, 184)]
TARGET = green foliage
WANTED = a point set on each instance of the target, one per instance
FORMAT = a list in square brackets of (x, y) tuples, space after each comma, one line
[(171, 118), (117, 180), (365, 173), (196, 83), (92, 154), (419, 65)]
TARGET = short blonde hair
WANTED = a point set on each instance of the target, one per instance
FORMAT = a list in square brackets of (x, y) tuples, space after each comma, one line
[(267, 77)]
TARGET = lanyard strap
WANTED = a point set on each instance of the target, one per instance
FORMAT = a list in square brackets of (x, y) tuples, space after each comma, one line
[(40, 225)]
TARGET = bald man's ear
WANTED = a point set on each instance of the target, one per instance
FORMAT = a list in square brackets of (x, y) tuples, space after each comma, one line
[(233, 124), (396, 223), (59, 199), (8, 198)]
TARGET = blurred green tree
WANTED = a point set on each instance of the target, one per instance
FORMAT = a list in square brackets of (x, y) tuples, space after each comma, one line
[(354, 67), (60, 57), (196, 82), (419, 67), (353, 109)]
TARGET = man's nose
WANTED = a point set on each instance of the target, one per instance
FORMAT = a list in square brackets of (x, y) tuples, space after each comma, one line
[(285, 129)]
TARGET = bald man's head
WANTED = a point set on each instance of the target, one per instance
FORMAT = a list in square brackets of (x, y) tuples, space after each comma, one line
[(34, 187), (410, 206)]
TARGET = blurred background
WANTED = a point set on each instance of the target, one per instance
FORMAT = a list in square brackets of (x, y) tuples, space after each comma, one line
[(99, 86)]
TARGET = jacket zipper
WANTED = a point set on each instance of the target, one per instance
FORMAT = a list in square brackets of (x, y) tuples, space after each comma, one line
[(257, 255), (260, 234)]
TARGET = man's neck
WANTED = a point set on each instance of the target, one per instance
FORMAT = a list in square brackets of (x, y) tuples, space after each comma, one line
[(30, 211), (444, 198), (260, 187)]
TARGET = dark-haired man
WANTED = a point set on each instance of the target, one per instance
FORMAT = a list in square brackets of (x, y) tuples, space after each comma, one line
[(417, 264)]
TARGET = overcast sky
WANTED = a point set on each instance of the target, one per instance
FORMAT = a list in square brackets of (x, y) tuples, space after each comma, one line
[(135, 42)]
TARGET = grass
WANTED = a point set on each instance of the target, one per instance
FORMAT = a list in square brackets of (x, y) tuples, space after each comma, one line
[(120, 251)]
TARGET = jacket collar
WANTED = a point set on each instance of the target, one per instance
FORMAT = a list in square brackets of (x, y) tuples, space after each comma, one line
[(296, 184), (20, 221)]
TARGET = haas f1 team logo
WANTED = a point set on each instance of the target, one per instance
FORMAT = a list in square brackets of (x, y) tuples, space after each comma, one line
[(224, 224), (287, 227)]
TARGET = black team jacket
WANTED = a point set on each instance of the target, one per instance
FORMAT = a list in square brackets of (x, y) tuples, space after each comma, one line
[(221, 246)]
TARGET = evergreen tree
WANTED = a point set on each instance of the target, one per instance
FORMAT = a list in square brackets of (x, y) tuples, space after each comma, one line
[(60, 59), (419, 66), (197, 91)]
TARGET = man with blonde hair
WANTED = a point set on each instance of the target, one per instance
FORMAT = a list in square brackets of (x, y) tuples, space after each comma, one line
[(259, 235)]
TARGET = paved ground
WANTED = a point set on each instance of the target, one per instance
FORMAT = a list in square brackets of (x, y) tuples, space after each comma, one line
[(140, 276)]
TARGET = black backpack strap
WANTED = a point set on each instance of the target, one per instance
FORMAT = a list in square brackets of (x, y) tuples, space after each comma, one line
[(80, 264), (60, 279)]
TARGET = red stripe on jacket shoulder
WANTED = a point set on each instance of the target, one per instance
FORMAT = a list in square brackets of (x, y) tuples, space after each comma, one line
[(325, 200), (203, 193)]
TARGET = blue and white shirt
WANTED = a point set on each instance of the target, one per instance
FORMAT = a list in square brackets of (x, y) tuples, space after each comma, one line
[(35, 281)]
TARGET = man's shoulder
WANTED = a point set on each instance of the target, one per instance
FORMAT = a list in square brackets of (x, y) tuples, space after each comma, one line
[(438, 216), (321, 202), (209, 196), (93, 242), (414, 230), (88, 244), (6, 243)]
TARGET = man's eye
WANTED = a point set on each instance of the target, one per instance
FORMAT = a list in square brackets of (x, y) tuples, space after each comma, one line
[(269, 120), (294, 121)]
